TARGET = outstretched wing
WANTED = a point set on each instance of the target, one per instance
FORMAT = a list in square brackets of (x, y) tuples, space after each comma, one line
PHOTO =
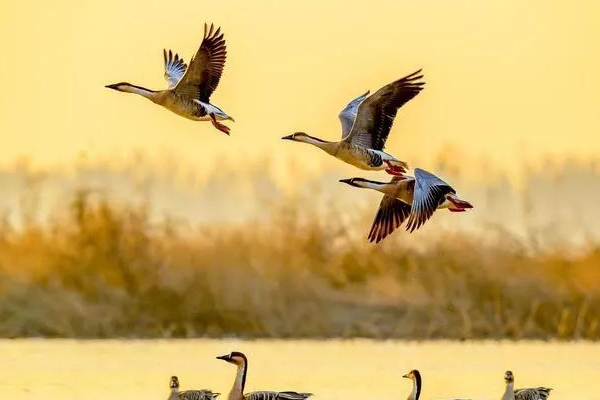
[(348, 114), (376, 113), (174, 68), (429, 193), (203, 75), (390, 215)]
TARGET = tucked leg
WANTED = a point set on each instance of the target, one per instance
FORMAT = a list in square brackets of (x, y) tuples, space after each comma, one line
[(458, 203), (223, 128), (396, 168), (394, 172)]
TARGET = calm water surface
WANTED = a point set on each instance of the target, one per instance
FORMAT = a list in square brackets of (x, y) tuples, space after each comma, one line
[(361, 369)]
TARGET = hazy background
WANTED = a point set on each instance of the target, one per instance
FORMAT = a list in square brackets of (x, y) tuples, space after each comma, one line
[(110, 203), (510, 87)]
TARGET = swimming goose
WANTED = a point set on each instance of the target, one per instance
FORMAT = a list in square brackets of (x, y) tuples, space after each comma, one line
[(510, 393), (203, 394), (415, 377), (237, 391), (406, 197), (366, 123), (189, 88)]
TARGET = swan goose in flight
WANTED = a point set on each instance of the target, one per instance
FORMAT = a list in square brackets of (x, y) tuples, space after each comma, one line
[(190, 88), (366, 123), (409, 198)]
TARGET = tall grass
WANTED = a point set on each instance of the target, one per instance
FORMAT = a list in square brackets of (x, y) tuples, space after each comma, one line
[(103, 269)]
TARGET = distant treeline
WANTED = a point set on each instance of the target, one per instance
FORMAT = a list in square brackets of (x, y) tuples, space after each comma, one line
[(105, 270)]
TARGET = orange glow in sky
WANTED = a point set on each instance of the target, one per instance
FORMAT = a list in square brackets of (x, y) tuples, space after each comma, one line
[(506, 81)]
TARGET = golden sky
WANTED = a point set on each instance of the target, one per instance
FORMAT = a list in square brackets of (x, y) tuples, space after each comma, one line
[(506, 80)]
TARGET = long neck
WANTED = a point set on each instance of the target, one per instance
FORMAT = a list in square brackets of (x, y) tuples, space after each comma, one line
[(329, 147), (174, 394), (509, 392), (382, 187), (142, 91), (416, 390), (237, 390)]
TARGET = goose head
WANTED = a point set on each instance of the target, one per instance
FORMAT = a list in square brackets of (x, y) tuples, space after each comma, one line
[(121, 86), (296, 136), (235, 357), (174, 383), (413, 375), (129, 88), (509, 377), (356, 182), (302, 137), (364, 183)]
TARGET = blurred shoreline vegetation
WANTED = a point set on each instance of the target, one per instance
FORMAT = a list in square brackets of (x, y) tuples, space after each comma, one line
[(104, 263)]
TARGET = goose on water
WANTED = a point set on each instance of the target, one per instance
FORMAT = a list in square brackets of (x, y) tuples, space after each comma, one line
[(406, 197), (366, 123), (190, 88), (203, 394), (415, 377), (510, 393), (237, 391)]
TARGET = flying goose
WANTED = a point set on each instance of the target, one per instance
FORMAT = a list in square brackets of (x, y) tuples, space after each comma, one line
[(366, 123), (203, 394), (189, 88), (406, 197), (237, 391), (415, 377), (510, 393)]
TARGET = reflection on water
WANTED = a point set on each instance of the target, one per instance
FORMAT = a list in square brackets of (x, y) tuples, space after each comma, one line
[(140, 369)]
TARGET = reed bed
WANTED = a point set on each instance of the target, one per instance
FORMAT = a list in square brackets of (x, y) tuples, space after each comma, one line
[(101, 268)]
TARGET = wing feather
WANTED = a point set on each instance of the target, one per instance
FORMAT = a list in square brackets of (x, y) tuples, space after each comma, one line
[(375, 115), (269, 395), (203, 394), (204, 72), (348, 114), (390, 215), (539, 393), (174, 68), (429, 193)]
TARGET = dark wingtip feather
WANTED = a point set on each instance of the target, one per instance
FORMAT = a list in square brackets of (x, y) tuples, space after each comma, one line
[(415, 73)]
